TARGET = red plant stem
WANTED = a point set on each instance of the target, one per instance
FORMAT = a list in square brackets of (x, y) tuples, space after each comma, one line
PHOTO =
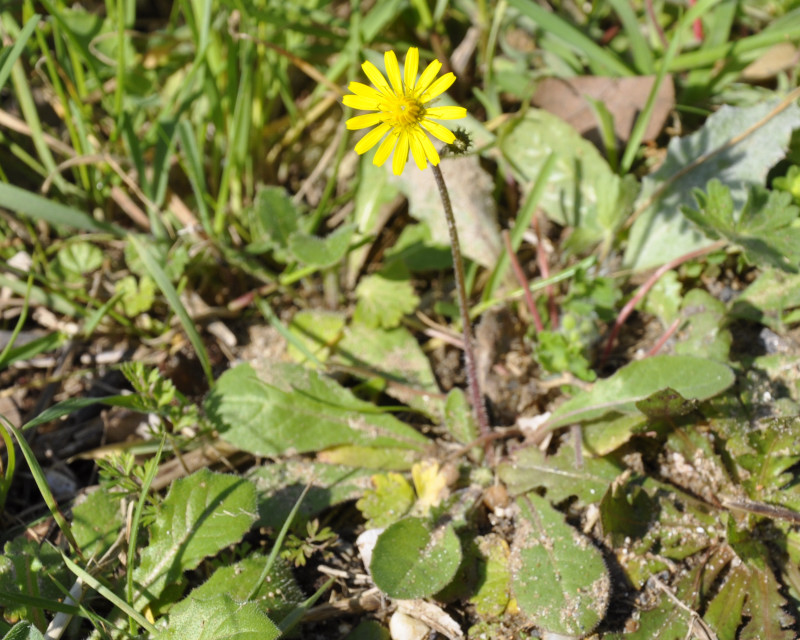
[(544, 268), (654, 19), (642, 291), (523, 282), (475, 395), (670, 330)]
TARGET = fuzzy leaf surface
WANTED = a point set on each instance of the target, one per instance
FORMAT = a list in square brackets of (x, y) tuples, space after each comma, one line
[(558, 576)]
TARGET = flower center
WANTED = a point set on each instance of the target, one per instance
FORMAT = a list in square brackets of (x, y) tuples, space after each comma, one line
[(403, 112)]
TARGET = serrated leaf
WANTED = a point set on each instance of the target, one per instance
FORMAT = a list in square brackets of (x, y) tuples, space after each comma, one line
[(389, 500), (763, 228), (765, 607), (693, 378), (384, 298), (530, 469), (737, 167), (319, 414), (412, 559), (627, 510), (219, 618), (276, 596), (137, 296), (201, 515), (559, 577), (96, 522), (724, 612)]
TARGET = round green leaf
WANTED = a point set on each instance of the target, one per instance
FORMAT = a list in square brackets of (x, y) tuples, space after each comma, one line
[(413, 560)]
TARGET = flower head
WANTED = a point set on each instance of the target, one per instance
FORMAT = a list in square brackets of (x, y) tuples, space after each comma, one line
[(402, 111)]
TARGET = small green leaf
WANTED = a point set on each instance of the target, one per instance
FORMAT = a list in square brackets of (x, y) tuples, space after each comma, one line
[(559, 576), (385, 297), (322, 252), (665, 403), (79, 258), (273, 219), (318, 330), (218, 618), (530, 469), (494, 588), (391, 498), (137, 296), (96, 522), (202, 514), (411, 559), (276, 596)]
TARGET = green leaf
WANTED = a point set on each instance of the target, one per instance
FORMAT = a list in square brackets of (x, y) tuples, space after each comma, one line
[(385, 297), (769, 298), (559, 576), (705, 331), (318, 330), (322, 252), (315, 414), (137, 297), (219, 618), (32, 571), (280, 485), (276, 596), (411, 559), (493, 591), (692, 377), (273, 219), (79, 258), (766, 609), (397, 355), (389, 500), (724, 612), (96, 522), (23, 631), (368, 630), (764, 228), (737, 167), (201, 515), (583, 192), (530, 469)]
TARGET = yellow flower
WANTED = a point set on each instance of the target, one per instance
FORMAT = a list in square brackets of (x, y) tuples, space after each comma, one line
[(402, 111)]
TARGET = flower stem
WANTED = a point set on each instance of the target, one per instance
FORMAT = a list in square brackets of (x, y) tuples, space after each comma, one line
[(475, 395)]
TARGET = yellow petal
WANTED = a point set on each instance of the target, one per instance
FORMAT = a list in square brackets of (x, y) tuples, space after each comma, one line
[(382, 154), (427, 77), (438, 87), (362, 122), (417, 149), (444, 134), (400, 154), (393, 71), (365, 91), (376, 77), (445, 113), (430, 150), (371, 139), (410, 69), (357, 102)]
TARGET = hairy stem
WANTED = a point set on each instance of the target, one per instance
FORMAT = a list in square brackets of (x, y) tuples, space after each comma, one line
[(475, 395)]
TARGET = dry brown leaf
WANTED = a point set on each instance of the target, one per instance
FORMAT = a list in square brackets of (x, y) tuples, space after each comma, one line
[(623, 97)]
